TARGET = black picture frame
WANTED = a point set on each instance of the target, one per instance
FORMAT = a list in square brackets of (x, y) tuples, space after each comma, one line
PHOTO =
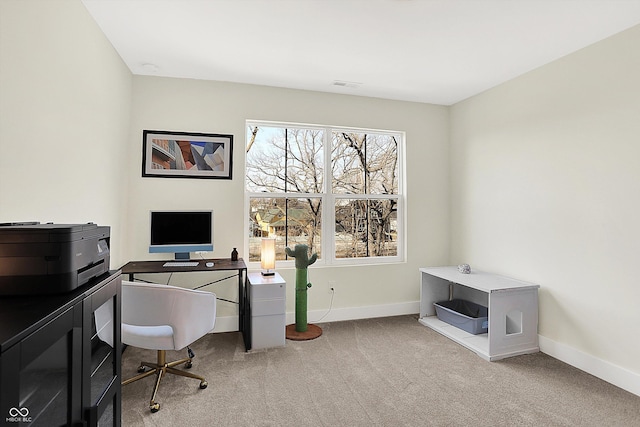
[(170, 154)]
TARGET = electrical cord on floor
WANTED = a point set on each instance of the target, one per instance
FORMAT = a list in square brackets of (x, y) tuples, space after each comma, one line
[(333, 292)]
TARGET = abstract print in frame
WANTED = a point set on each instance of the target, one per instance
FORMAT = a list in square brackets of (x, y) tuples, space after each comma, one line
[(167, 154)]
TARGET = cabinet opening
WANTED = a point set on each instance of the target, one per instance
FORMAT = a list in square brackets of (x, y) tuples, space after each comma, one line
[(514, 322)]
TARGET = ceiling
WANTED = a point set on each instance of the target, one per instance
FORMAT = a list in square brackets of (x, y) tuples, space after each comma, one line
[(433, 51)]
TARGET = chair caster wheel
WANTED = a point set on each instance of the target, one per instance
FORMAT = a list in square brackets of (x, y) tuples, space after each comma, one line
[(141, 369), (203, 384), (154, 407), (188, 365)]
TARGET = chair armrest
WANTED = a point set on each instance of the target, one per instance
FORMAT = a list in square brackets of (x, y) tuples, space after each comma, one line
[(193, 316)]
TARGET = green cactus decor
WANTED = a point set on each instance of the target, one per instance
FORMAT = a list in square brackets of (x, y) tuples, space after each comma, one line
[(301, 254)]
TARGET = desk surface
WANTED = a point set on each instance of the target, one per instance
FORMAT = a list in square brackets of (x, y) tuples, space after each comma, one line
[(219, 264)]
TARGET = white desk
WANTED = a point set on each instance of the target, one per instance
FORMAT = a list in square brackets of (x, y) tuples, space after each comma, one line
[(512, 304)]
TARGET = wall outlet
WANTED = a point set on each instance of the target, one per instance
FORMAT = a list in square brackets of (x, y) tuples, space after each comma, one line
[(332, 287)]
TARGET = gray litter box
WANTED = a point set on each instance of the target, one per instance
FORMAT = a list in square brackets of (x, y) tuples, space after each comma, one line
[(466, 315)]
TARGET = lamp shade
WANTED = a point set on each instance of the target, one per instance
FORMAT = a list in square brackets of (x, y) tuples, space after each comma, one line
[(268, 255)]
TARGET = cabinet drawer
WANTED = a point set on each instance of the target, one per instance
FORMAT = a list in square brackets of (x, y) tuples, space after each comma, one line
[(267, 307), (269, 291), (268, 331)]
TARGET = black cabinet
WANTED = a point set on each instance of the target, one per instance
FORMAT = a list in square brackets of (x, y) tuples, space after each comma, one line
[(56, 367)]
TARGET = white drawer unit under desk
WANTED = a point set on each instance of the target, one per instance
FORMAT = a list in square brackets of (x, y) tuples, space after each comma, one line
[(267, 296), (512, 305)]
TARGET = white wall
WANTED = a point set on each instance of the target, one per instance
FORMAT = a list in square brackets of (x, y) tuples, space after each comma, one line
[(64, 118), (215, 107), (545, 188)]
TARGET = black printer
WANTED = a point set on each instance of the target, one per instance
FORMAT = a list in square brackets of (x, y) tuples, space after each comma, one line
[(37, 259)]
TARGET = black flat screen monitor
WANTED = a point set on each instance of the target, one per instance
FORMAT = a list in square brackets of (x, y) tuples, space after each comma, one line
[(181, 232)]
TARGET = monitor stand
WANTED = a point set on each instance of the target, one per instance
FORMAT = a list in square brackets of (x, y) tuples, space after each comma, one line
[(182, 256)]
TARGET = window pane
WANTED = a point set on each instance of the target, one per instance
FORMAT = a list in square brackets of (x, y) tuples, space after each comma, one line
[(382, 164), (347, 163), (284, 160), (291, 221), (366, 228), (364, 163)]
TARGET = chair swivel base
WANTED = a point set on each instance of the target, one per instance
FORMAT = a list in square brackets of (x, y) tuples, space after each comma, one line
[(161, 368)]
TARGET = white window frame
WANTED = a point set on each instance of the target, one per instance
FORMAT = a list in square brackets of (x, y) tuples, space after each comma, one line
[(329, 198)]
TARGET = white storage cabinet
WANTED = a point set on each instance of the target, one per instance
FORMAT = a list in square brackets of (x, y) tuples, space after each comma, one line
[(267, 296), (512, 304)]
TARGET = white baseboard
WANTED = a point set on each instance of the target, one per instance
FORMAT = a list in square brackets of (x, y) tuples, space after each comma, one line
[(353, 313), (616, 375), (230, 323)]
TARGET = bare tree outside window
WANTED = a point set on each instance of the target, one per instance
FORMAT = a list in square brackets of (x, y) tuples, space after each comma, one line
[(288, 185), (283, 160), (365, 164)]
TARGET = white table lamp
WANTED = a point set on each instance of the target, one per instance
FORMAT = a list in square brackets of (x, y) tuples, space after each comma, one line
[(268, 256)]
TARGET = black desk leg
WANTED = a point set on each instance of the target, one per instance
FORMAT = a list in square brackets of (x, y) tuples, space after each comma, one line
[(241, 298), (244, 312)]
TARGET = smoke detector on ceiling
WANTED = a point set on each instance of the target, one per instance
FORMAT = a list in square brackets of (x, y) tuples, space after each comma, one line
[(150, 68), (344, 83)]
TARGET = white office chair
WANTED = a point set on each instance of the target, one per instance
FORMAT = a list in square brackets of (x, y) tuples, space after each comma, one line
[(162, 317)]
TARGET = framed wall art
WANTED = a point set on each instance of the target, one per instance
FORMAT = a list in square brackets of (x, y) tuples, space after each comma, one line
[(167, 154)]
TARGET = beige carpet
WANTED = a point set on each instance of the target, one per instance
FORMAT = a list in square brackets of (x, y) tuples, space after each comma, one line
[(375, 372)]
